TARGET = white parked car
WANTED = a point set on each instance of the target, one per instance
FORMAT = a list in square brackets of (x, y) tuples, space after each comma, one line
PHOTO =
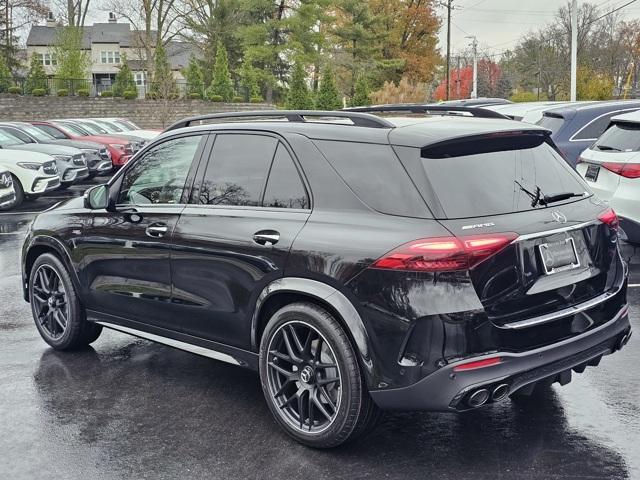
[(32, 173), (611, 167), (7, 192), (128, 126)]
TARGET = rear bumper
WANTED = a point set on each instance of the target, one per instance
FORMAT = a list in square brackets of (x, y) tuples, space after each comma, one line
[(447, 390)]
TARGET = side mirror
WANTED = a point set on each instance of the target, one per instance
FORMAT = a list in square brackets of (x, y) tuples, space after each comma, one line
[(97, 198)]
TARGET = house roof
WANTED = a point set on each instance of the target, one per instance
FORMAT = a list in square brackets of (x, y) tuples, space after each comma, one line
[(178, 53)]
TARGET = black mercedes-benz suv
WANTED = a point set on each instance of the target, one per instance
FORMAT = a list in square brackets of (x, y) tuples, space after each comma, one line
[(358, 262)]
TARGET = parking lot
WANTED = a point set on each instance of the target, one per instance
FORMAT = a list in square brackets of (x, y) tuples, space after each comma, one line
[(129, 408)]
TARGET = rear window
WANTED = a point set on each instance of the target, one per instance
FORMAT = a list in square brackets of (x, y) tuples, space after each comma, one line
[(496, 177), (620, 137), (376, 176), (551, 122)]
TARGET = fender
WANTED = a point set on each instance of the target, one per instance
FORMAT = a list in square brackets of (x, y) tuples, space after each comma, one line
[(328, 294), (63, 254)]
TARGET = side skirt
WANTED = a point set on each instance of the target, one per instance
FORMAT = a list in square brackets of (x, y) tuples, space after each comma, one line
[(182, 341)]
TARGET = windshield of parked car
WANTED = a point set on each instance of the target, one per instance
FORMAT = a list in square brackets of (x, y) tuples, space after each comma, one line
[(620, 137), (36, 133), (74, 129), (126, 125), (501, 175), (108, 126), (552, 122), (92, 128), (8, 140)]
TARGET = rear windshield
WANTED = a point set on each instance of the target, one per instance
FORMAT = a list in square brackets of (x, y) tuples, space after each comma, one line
[(497, 176), (551, 122), (620, 137)]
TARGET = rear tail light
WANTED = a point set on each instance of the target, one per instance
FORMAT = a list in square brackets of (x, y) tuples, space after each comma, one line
[(627, 170), (610, 218), (442, 254)]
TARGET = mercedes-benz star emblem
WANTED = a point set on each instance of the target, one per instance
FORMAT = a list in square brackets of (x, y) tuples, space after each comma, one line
[(559, 216), (306, 374)]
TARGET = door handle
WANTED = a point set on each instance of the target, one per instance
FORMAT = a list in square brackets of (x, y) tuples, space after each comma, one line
[(156, 230), (266, 237)]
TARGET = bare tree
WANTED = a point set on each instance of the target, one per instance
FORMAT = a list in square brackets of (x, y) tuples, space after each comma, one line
[(71, 12)]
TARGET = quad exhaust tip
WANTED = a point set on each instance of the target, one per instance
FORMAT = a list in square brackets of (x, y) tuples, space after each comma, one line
[(623, 340), (500, 392), (479, 398)]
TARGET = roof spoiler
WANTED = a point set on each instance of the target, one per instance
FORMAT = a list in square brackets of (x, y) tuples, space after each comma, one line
[(358, 119), (429, 109)]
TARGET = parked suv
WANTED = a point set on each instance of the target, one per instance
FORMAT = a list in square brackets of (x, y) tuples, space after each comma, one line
[(358, 263)]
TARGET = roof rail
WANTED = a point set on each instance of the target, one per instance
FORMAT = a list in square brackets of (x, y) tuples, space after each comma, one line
[(358, 119), (429, 109)]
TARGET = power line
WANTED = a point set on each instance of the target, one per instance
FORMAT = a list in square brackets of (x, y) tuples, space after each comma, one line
[(612, 11)]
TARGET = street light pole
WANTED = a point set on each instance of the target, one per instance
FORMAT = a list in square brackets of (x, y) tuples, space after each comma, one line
[(574, 48), (474, 45)]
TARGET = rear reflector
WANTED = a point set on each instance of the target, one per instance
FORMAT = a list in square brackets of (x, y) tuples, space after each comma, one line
[(487, 362), (441, 254), (610, 218), (627, 170)]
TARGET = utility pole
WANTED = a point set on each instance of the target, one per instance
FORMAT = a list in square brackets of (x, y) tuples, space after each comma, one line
[(474, 46), (574, 48), (449, 2), (458, 78)]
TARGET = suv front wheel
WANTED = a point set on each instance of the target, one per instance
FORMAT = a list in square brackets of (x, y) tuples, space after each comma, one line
[(311, 379)]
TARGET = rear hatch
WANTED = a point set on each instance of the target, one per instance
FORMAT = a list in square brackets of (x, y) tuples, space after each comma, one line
[(562, 250)]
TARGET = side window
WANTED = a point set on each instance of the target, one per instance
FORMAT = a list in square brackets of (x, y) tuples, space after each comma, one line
[(19, 134), (237, 170), (284, 187), (159, 176), (597, 127), (54, 132)]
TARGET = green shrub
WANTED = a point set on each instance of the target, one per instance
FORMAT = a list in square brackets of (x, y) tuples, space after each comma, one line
[(15, 90), (130, 94), (238, 100), (38, 92), (151, 95), (215, 98), (63, 92), (256, 100), (107, 93), (195, 96), (83, 92)]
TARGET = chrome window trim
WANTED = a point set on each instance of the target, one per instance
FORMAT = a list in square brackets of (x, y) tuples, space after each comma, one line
[(577, 226)]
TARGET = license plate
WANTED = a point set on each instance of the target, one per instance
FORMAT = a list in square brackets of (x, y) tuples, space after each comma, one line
[(559, 256), (592, 173)]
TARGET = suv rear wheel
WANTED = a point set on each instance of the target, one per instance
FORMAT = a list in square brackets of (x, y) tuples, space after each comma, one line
[(19, 194), (55, 306), (311, 379)]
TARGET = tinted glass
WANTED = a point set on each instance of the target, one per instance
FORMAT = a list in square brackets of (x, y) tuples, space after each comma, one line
[(237, 170), (159, 175), (36, 133), (620, 137), (376, 176), (6, 140), (54, 132), (91, 128), (493, 183), (284, 186), (74, 129), (18, 134), (594, 129), (552, 123)]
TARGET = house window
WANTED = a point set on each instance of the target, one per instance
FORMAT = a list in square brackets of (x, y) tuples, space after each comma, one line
[(110, 57), (140, 78), (46, 58)]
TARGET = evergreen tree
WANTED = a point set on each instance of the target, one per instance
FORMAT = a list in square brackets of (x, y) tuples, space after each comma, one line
[(362, 96), (299, 97), (328, 96), (36, 78), (163, 85), (5, 76), (221, 83), (249, 77), (194, 77), (124, 79)]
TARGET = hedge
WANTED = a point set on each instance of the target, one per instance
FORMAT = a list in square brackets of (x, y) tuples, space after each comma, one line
[(15, 90), (83, 92), (107, 93), (63, 92), (215, 98), (256, 100), (130, 95), (38, 92)]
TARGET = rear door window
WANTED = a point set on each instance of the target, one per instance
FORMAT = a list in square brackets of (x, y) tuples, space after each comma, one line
[(284, 186), (620, 137), (595, 128), (496, 179)]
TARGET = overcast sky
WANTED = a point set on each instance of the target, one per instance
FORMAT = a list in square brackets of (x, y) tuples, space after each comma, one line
[(500, 23)]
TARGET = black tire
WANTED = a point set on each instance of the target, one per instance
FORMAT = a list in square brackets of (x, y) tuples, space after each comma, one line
[(335, 387), (57, 312), (17, 186)]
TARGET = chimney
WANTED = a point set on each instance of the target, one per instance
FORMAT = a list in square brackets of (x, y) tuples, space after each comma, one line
[(112, 18), (51, 21)]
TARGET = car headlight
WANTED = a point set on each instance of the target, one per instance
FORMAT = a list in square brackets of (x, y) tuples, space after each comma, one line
[(117, 146), (64, 158), (90, 151), (29, 165)]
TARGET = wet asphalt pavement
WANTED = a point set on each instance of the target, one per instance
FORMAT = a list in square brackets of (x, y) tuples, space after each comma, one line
[(129, 408)]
